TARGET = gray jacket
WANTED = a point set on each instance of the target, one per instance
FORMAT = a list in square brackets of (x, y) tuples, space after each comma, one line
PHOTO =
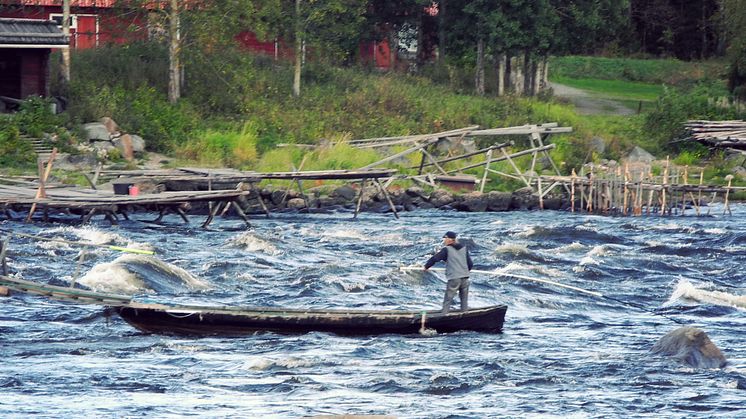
[(457, 259)]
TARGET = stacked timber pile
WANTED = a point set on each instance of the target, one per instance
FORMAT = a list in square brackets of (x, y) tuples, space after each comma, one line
[(718, 134)]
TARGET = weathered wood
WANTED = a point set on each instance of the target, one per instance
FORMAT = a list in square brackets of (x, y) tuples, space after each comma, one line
[(3, 252), (388, 198), (359, 197), (42, 178), (241, 213)]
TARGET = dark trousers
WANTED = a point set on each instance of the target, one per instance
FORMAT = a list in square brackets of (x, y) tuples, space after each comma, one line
[(462, 286)]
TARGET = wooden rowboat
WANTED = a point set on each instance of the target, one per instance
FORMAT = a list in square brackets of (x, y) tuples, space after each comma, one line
[(230, 321), (197, 320)]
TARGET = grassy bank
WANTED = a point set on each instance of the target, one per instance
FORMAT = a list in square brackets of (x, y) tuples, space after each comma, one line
[(237, 110)]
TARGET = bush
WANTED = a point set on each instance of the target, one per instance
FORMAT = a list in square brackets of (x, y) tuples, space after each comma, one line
[(234, 149), (14, 152), (666, 122), (36, 117)]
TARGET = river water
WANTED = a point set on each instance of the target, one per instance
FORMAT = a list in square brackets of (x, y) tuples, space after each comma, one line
[(562, 353)]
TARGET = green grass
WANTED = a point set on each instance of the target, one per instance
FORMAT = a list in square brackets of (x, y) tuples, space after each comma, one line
[(668, 71), (614, 89)]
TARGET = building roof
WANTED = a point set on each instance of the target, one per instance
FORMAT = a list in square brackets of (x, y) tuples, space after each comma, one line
[(58, 3), (31, 33)]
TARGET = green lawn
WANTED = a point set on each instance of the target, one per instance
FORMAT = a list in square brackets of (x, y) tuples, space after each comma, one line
[(615, 89)]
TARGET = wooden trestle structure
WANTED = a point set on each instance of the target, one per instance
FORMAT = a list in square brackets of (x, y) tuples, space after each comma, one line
[(27, 195), (637, 191)]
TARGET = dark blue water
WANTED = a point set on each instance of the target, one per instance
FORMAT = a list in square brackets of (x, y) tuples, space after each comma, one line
[(562, 353)]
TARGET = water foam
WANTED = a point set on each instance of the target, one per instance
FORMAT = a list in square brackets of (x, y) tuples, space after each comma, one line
[(572, 247), (251, 242), (686, 290), (130, 274), (513, 248)]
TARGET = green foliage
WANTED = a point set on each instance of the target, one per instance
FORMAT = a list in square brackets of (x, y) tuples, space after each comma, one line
[(340, 156), (143, 111), (653, 71), (36, 117), (665, 123), (222, 148), (280, 160), (686, 158), (617, 89), (734, 14), (14, 152)]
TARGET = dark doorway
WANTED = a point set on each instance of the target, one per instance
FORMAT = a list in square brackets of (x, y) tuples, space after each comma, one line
[(10, 73)]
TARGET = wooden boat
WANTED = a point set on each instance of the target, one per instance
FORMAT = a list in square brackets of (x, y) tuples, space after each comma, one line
[(206, 320), (197, 320)]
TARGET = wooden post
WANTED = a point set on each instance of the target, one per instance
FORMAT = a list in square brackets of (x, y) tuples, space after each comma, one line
[(3, 252), (360, 197), (590, 192), (388, 198), (241, 213), (664, 206), (486, 170), (626, 189), (182, 214), (541, 195), (572, 191), (683, 195), (40, 193), (303, 194), (211, 215), (729, 178), (78, 266)]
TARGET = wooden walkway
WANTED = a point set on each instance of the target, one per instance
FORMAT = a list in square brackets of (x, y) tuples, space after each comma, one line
[(26, 195)]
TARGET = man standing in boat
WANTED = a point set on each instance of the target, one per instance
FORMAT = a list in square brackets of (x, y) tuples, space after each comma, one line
[(458, 264)]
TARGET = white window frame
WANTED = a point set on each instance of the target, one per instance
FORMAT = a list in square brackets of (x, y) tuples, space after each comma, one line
[(73, 20)]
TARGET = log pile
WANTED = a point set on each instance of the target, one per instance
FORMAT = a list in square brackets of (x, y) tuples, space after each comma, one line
[(717, 134)]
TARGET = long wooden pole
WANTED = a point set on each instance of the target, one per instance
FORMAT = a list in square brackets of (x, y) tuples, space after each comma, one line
[(499, 273)]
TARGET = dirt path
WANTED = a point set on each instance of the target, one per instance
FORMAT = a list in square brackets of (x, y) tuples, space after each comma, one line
[(587, 104)]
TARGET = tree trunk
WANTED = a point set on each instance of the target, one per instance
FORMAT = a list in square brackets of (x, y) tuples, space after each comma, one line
[(703, 52), (393, 48), (528, 75), (420, 55), (66, 51), (538, 69), (516, 74), (500, 70), (298, 50), (479, 71), (442, 31), (174, 50), (545, 74)]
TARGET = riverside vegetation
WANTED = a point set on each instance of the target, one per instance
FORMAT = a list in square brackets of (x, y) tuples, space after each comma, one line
[(237, 108)]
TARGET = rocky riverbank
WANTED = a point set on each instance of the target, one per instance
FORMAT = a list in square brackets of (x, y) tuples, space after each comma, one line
[(409, 199)]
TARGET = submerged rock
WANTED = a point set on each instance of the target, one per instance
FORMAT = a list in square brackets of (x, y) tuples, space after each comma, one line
[(690, 346)]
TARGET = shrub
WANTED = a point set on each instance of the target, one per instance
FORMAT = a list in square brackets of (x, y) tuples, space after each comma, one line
[(234, 149), (675, 107), (14, 152), (36, 117)]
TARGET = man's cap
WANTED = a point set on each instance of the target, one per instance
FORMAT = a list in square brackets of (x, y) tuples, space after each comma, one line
[(450, 235)]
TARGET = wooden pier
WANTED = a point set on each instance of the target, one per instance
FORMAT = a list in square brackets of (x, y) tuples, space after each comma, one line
[(221, 189)]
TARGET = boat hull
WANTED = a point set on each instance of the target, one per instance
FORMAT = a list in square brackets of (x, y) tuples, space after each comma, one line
[(183, 321)]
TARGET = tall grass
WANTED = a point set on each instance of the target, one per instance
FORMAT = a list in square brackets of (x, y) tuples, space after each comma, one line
[(657, 71)]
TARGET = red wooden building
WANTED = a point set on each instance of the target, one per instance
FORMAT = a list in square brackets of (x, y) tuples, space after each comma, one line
[(25, 45), (93, 23)]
